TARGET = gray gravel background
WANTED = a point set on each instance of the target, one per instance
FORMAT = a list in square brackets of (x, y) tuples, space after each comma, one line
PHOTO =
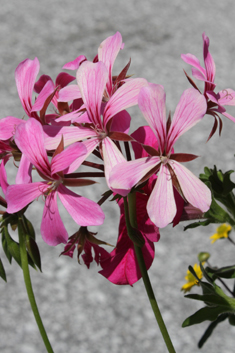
[(81, 310)]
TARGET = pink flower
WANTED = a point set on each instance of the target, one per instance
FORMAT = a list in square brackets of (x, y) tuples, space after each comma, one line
[(108, 121), (161, 205), (216, 101), (29, 138)]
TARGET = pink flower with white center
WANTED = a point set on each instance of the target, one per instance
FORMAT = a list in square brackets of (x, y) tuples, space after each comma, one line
[(216, 101), (29, 138), (161, 205)]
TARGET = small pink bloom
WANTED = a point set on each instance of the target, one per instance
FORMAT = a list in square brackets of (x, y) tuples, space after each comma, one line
[(215, 101)]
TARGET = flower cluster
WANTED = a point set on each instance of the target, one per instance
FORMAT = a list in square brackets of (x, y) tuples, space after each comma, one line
[(90, 117)]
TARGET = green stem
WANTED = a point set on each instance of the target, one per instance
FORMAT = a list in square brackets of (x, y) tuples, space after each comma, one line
[(131, 221), (28, 284)]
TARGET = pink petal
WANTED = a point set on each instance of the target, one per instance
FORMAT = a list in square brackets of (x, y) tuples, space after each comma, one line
[(146, 136), (43, 95), (29, 137), (41, 83), (63, 79), (71, 117), (209, 63), (125, 175), (74, 65), (152, 104), (121, 122), (92, 78), (126, 96), (189, 111), (192, 60), (111, 155), (161, 205), (19, 196), (71, 134), (83, 211), (194, 190), (69, 93), (3, 175), (24, 172), (107, 53), (90, 145), (63, 160), (52, 228), (25, 76), (198, 75), (8, 127)]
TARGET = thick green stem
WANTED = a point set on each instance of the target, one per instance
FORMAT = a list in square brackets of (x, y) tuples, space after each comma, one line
[(28, 284), (131, 220)]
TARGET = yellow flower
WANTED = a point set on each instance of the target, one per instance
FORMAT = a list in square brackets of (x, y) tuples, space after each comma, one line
[(191, 280), (221, 232)]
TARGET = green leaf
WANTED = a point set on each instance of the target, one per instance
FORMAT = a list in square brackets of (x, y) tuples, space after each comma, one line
[(12, 246), (33, 251), (209, 299), (223, 272), (206, 313), (232, 319), (5, 247), (211, 328), (2, 271), (30, 229)]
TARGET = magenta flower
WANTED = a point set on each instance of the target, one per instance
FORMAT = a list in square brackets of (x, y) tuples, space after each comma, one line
[(216, 101), (122, 266), (29, 138), (161, 205)]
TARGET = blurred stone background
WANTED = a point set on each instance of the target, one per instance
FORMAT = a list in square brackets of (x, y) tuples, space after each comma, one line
[(81, 310)]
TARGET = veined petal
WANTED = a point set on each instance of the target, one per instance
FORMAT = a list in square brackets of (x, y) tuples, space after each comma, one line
[(193, 61), (8, 127), (69, 93), (20, 195), (62, 160), (83, 211), (52, 228), (161, 205), (24, 172), (25, 76), (29, 137), (90, 145), (194, 190), (92, 78), (71, 134), (152, 104), (111, 155), (125, 97), (190, 110), (209, 62), (125, 175), (107, 53)]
